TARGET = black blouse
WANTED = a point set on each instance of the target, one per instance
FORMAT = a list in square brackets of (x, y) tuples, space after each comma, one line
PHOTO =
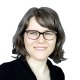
[(19, 69)]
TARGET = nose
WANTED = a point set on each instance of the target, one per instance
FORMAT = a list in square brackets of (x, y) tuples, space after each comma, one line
[(41, 39)]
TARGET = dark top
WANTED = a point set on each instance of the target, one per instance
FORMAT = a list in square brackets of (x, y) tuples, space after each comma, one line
[(19, 69)]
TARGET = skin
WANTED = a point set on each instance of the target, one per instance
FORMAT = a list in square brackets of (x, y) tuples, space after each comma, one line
[(38, 50)]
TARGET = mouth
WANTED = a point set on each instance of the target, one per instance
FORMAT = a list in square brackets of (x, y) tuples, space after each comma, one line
[(40, 48)]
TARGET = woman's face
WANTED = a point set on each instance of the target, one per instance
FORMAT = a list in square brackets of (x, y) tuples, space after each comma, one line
[(40, 48)]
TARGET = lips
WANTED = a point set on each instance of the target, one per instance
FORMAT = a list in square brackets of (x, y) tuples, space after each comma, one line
[(40, 48)]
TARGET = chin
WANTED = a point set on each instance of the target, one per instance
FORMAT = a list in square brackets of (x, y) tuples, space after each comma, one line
[(41, 58)]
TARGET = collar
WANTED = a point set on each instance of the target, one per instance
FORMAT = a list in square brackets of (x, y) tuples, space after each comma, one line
[(49, 63)]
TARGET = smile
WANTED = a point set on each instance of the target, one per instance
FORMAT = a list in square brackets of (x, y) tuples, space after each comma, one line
[(40, 48)]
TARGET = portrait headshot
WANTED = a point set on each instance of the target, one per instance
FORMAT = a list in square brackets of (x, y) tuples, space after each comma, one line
[(39, 36), (39, 40)]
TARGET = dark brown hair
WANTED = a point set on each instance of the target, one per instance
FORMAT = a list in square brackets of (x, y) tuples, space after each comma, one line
[(48, 18)]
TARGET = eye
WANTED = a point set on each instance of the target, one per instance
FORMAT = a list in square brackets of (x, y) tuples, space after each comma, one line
[(49, 33), (33, 32)]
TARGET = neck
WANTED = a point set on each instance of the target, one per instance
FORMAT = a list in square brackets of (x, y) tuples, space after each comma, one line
[(37, 66)]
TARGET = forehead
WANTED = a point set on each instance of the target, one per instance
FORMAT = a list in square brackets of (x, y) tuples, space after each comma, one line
[(34, 25)]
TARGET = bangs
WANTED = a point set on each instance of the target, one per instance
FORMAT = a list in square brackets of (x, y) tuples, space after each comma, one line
[(45, 20)]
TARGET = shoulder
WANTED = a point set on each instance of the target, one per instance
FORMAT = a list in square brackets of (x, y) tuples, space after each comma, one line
[(59, 73), (56, 71), (8, 65), (54, 67), (8, 69)]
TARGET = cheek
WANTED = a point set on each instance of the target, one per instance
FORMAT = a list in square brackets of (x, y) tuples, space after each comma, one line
[(28, 43), (28, 46), (52, 46)]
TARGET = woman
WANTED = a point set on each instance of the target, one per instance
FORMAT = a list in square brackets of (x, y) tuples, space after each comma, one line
[(39, 36)]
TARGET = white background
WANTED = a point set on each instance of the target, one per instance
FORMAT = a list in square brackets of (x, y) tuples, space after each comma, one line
[(12, 11)]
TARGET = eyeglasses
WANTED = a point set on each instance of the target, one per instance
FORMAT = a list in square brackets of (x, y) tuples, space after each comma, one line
[(34, 34)]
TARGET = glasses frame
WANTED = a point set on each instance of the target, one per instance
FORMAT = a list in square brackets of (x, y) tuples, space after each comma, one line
[(41, 33)]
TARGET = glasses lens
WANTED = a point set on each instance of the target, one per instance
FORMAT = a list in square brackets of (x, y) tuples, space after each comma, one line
[(50, 35), (33, 34)]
